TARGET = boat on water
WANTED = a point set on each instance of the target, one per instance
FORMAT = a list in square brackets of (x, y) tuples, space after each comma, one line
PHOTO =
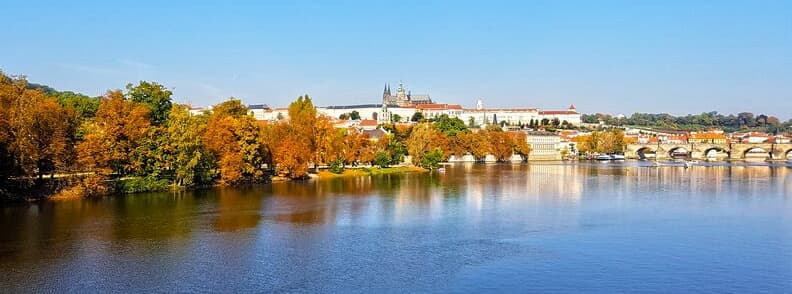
[(603, 157), (441, 170)]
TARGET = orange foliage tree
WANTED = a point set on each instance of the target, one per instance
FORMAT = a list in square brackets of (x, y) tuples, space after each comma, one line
[(234, 137), (113, 135), (36, 133)]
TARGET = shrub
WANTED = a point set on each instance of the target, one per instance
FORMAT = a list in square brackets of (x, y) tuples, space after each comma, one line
[(382, 159), (92, 186), (432, 159), (145, 184), (337, 166)]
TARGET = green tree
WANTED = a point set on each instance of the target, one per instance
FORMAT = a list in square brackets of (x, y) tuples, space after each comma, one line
[(432, 159), (450, 126), (85, 106), (355, 115), (417, 117), (382, 159), (153, 95), (190, 161)]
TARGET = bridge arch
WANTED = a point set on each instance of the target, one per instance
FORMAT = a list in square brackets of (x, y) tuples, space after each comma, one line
[(716, 152), (756, 153), (646, 152), (679, 152)]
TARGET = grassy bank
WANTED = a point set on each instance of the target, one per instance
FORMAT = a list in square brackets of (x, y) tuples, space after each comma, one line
[(367, 171)]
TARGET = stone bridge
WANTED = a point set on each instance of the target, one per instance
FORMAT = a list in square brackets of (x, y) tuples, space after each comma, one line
[(700, 151)]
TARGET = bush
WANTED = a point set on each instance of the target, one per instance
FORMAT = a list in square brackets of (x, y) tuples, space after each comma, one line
[(382, 159), (432, 159), (337, 166), (91, 186), (146, 184)]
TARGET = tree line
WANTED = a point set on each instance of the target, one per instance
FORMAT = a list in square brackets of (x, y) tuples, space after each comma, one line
[(138, 139), (694, 122)]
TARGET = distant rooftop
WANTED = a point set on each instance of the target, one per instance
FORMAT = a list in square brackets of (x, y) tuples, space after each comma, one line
[(258, 106), (358, 106)]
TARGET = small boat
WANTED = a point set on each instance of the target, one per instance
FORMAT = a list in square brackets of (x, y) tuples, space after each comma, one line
[(441, 170), (690, 163), (617, 157), (604, 157)]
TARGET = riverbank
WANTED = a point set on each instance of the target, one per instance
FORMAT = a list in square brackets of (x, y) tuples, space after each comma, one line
[(370, 171), (71, 188)]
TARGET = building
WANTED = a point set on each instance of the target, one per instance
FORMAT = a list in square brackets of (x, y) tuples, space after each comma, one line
[(403, 97), (436, 110), (481, 116), (752, 137), (259, 111), (544, 145), (710, 137), (402, 106)]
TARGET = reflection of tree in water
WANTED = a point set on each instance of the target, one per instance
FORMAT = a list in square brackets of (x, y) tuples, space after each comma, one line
[(320, 201), (237, 209), (47, 230), (155, 216)]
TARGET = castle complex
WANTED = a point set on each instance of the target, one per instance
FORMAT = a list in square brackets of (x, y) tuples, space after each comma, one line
[(403, 97), (402, 106)]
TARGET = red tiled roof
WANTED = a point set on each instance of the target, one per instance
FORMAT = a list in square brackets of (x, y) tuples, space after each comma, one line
[(368, 123), (438, 106), (501, 109), (558, 112)]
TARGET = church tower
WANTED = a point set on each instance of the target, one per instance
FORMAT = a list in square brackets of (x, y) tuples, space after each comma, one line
[(386, 94)]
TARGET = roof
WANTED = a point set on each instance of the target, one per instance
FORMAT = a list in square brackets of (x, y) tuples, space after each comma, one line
[(438, 106), (258, 106), (355, 106), (502, 110), (368, 123), (420, 97), (540, 133), (374, 134), (707, 135), (558, 112)]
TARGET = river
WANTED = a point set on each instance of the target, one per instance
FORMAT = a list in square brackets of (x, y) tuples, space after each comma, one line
[(555, 227)]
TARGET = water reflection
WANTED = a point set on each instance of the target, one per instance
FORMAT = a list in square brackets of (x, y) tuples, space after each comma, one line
[(303, 224)]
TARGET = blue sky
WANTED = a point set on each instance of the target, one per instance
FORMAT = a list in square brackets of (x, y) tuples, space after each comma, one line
[(603, 56)]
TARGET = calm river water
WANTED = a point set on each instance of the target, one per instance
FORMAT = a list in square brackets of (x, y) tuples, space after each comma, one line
[(598, 227)]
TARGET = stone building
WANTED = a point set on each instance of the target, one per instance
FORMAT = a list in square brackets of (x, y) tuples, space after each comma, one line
[(544, 146)]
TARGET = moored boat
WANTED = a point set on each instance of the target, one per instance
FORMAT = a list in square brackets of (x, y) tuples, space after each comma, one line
[(604, 157)]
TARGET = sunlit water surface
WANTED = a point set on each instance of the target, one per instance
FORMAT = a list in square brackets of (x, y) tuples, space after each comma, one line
[(598, 227)]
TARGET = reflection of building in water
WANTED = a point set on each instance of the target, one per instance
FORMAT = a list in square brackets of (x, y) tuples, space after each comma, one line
[(418, 196), (561, 180)]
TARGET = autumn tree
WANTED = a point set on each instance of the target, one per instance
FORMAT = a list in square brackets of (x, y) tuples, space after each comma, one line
[(520, 143), (37, 133), (296, 142), (500, 142), (424, 139), (114, 135), (234, 137), (354, 146), (290, 150), (611, 141), (329, 141)]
